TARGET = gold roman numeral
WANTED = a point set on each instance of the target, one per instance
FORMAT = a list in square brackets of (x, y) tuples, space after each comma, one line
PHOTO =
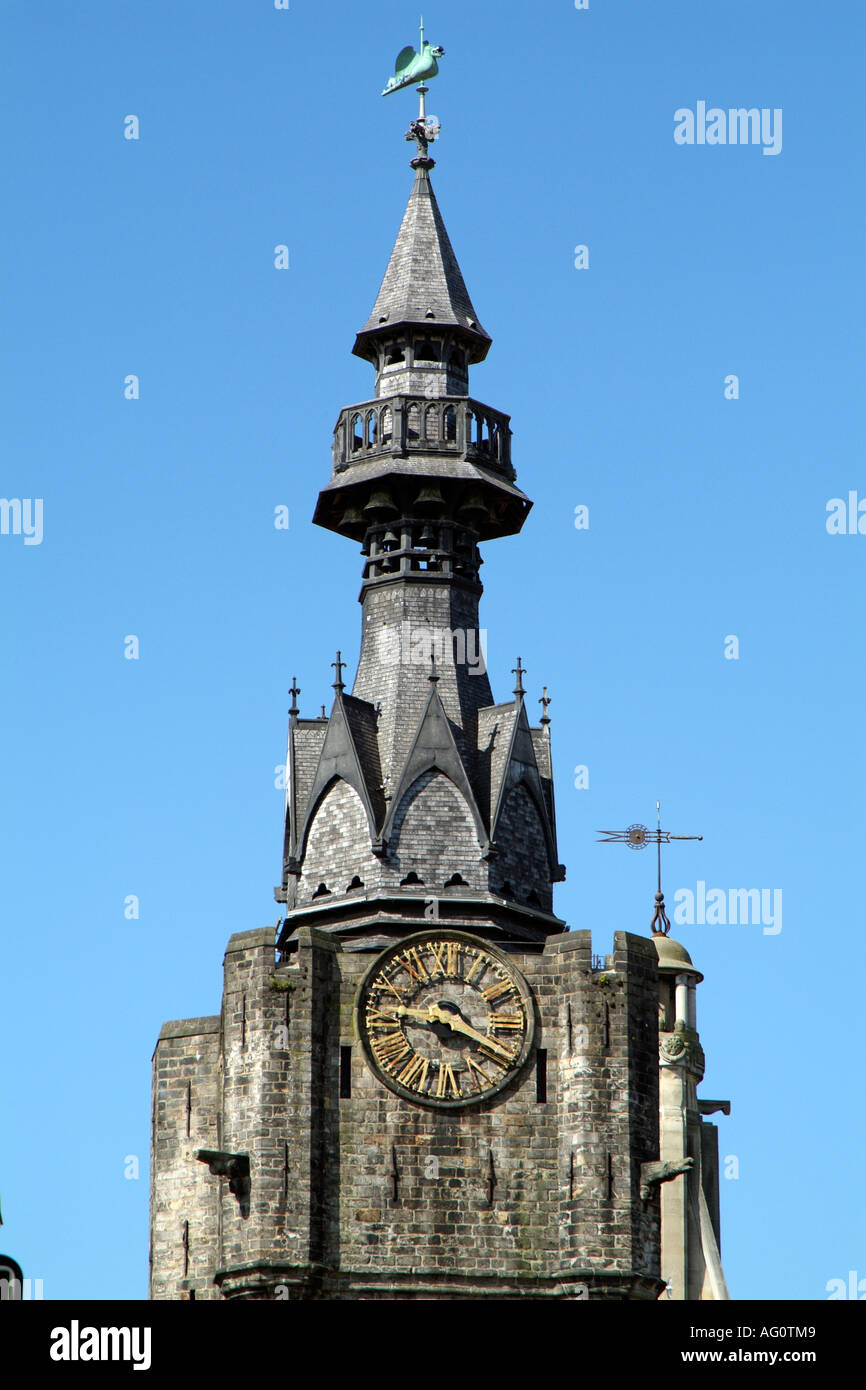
[(445, 957), (390, 1049), (382, 983), (500, 990), (481, 963), (377, 1019), (495, 1051), (505, 1020), (413, 964), (476, 1070), (415, 1072), (446, 1078)]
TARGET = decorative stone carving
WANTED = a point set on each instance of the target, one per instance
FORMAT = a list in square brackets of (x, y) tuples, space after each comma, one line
[(665, 1170)]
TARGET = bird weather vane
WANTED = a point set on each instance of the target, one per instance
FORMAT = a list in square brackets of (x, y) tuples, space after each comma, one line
[(638, 837), (412, 67)]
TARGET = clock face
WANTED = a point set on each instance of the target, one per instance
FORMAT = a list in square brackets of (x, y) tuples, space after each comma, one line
[(445, 1019)]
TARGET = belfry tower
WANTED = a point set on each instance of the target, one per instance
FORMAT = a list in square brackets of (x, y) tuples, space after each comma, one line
[(425, 1086)]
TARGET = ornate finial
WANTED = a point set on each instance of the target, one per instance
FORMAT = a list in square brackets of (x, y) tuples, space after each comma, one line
[(339, 664), (412, 67), (519, 671), (545, 701), (323, 715), (638, 837), (294, 691), (434, 674)]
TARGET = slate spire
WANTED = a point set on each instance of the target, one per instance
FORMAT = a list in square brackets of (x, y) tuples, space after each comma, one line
[(423, 284), (419, 784)]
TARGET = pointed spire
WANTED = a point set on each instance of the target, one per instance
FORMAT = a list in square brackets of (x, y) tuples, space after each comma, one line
[(423, 283)]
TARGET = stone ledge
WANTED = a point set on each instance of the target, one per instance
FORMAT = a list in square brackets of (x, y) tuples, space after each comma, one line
[(245, 940), (189, 1027)]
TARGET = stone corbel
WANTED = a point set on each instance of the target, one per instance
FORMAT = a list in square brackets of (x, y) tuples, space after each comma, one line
[(235, 1167)]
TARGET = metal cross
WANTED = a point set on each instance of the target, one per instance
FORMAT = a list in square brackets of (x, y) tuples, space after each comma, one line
[(519, 671), (638, 837), (294, 691)]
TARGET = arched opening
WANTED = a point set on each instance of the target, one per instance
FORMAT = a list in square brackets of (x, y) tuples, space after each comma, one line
[(427, 352), (449, 423), (371, 430), (355, 433), (431, 424), (387, 425), (413, 422)]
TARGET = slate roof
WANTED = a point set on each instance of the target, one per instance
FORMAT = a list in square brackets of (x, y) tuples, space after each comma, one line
[(423, 283)]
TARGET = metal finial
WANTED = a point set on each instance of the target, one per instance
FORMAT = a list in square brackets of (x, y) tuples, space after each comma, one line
[(412, 67), (339, 664), (545, 701), (294, 691), (519, 671), (434, 674), (638, 837), (323, 715)]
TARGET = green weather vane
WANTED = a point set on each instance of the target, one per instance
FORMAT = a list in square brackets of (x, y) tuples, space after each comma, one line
[(638, 837), (412, 67)]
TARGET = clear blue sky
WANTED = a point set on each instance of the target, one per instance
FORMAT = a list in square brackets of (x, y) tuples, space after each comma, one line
[(155, 777)]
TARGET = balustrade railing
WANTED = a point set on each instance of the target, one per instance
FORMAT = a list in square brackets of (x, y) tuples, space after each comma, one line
[(405, 424)]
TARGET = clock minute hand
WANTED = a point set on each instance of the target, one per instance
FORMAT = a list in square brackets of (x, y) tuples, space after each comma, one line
[(434, 1014), (460, 1026)]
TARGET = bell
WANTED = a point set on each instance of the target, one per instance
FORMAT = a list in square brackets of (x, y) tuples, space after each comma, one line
[(427, 538), (352, 517), (381, 504), (389, 541), (472, 509), (430, 499)]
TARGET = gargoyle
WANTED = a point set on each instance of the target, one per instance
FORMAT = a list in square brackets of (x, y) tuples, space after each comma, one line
[(235, 1167), (664, 1170), (414, 67)]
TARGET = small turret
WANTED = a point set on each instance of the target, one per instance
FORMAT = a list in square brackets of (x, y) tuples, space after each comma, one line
[(691, 1262)]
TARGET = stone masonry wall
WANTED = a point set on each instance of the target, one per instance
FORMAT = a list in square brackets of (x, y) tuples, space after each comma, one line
[(184, 1207), (368, 1195)]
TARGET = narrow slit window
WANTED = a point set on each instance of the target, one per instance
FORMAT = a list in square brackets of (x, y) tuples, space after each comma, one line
[(345, 1073), (541, 1075)]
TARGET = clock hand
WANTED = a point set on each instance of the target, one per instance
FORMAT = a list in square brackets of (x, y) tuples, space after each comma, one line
[(435, 1014), (460, 1026)]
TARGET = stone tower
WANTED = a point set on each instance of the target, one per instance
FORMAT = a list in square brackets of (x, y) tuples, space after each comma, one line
[(425, 1086)]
